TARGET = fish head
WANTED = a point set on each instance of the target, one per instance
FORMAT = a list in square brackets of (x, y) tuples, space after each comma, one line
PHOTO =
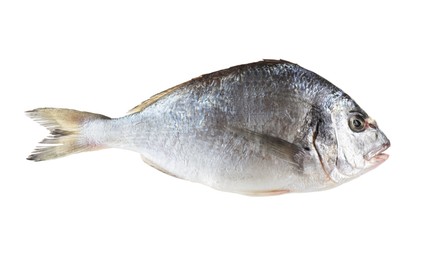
[(360, 142)]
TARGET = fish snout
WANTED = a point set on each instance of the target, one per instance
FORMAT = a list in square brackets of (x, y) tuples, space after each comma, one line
[(377, 155)]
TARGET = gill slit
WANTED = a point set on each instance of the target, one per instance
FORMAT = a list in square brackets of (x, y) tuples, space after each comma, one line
[(314, 136)]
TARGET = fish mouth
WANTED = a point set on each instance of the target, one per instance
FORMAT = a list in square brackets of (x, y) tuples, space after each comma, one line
[(377, 155)]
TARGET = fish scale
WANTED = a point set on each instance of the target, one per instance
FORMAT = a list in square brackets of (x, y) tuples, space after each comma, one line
[(264, 128)]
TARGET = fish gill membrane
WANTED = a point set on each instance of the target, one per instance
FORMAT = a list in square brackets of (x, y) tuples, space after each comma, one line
[(264, 128)]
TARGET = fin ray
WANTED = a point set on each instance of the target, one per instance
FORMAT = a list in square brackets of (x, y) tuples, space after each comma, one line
[(153, 99), (157, 167), (288, 152), (65, 135)]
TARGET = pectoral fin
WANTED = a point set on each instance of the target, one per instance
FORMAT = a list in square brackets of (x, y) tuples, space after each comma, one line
[(288, 152)]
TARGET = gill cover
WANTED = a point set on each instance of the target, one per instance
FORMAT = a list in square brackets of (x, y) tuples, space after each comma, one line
[(325, 143)]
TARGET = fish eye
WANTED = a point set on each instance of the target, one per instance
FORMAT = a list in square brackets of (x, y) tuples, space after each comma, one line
[(357, 123)]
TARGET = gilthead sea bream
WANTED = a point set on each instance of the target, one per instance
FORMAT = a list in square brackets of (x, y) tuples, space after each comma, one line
[(264, 128)]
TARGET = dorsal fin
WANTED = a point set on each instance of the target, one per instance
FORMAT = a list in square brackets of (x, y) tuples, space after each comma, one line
[(153, 99), (164, 93)]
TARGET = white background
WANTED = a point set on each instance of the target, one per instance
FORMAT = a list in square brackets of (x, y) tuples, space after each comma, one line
[(108, 56)]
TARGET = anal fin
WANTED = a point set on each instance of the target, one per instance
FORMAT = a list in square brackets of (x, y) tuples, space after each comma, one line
[(158, 167), (266, 193)]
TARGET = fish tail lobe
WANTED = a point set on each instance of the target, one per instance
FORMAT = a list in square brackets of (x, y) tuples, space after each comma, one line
[(68, 133)]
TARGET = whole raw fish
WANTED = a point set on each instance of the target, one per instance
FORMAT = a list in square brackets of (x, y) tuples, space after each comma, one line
[(263, 128)]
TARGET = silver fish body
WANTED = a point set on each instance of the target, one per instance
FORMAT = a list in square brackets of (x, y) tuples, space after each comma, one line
[(263, 128)]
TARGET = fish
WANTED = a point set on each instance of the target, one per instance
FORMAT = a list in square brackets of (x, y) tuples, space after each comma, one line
[(264, 128)]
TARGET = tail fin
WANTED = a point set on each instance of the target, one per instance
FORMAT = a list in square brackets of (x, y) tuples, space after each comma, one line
[(65, 128)]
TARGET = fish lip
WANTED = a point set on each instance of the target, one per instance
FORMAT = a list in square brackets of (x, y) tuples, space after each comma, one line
[(377, 154)]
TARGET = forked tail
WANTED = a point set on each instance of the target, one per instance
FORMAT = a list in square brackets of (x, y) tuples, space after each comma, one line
[(66, 132)]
